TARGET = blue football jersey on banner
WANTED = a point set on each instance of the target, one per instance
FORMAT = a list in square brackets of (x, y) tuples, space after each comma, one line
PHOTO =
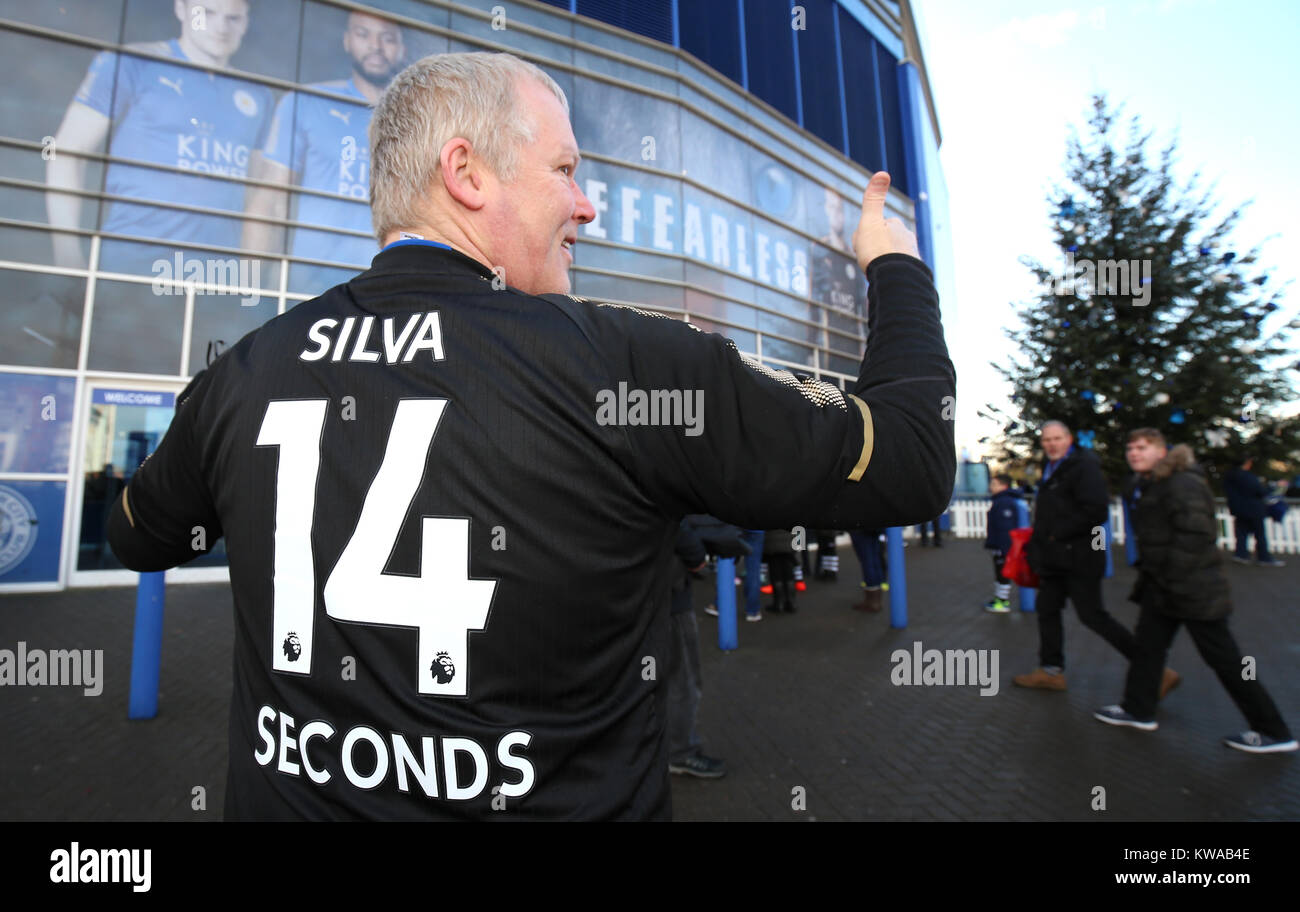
[(324, 142), (182, 117)]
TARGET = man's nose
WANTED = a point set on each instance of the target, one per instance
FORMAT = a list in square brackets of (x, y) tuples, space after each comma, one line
[(584, 211)]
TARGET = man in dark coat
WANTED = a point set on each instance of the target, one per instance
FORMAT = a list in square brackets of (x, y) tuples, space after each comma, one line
[(1246, 495), (1181, 583), (1068, 552)]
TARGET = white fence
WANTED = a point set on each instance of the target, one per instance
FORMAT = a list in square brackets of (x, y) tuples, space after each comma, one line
[(969, 520)]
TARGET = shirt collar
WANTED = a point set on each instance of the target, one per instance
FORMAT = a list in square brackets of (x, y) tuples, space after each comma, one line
[(424, 255), (408, 242)]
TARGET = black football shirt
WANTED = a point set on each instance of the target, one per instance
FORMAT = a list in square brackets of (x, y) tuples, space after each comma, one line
[(450, 507)]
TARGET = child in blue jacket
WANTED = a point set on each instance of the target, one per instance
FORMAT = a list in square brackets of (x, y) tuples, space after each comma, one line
[(1004, 515)]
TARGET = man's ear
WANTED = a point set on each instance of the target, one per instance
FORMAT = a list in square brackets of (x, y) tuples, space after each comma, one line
[(463, 173)]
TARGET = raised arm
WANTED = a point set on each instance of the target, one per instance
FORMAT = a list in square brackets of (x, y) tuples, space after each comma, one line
[(769, 450)]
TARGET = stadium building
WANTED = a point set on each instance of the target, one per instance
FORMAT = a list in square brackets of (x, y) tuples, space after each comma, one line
[(173, 173)]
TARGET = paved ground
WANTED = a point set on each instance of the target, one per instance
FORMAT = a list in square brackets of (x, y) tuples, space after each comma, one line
[(804, 712)]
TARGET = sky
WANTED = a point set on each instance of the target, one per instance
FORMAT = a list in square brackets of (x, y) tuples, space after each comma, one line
[(1010, 77)]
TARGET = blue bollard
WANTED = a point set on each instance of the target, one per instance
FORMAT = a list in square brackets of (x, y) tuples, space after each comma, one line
[(897, 579), (146, 649), (727, 634)]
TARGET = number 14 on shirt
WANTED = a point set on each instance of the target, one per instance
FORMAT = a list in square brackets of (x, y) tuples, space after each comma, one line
[(443, 604)]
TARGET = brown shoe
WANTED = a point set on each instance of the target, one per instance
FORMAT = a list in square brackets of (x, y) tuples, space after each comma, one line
[(1169, 681), (871, 601), (1041, 680)]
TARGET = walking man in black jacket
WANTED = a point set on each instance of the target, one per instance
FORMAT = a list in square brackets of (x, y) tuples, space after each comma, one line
[(1067, 551), (1182, 584)]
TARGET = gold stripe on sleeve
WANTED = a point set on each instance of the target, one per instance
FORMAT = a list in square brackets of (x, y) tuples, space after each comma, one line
[(868, 439), (126, 507)]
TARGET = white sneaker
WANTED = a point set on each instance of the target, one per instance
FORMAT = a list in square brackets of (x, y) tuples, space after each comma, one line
[(1252, 742), (1115, 715), (754, 617)]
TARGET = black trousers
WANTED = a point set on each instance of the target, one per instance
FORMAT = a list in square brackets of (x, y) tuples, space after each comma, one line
[(685, 686), (1214, 641), (780, 567), (1085, 593), (998, 560), (926, 528)]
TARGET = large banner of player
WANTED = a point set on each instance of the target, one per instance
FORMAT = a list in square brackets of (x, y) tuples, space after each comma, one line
[(201, 158)]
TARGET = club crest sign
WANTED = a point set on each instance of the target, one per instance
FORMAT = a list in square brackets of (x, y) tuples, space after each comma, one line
[(17, 528)]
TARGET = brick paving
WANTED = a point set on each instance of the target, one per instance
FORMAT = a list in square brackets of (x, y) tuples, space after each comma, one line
[(805, 704)]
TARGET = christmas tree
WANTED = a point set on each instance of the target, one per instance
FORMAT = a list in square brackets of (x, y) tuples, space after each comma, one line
[(1151, 320)]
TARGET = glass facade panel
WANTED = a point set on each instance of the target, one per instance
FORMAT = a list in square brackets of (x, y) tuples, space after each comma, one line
[(787, 353), (497, 29), (706, 279), (100, 19), (588, 35), (733, 314), (626, 125), (652, 295), (28, 245), (841, 365), (36, 412), (590, 254), (135, 330), (40, 318), (220, 321), (746, 341)]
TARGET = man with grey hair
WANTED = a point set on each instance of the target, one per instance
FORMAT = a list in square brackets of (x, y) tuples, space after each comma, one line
[(423, 453), (1068, 552)]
